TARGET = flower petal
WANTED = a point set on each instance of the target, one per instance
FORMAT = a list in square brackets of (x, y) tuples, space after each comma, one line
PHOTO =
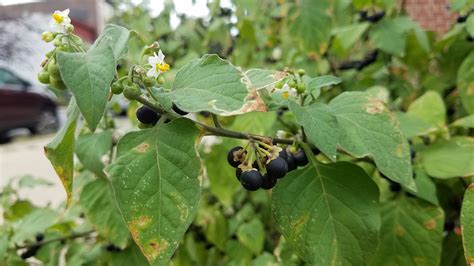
[(152, 73), (161, 56)]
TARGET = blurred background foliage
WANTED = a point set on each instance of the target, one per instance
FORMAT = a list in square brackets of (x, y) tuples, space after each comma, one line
[(370, 44)]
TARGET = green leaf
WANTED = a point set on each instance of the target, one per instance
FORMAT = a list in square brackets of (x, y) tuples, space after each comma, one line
[(60, 151), (320, 125), (314, 85), (91, 148), (3, 245), (453, 253), (467, 223), (368, 129), (349, 35), (412, 126), (115, 36), (130, 256), (265, 259), (429, 108), (465, 122), (252, 235), (426, 188), (470, 25), (28, 181), (155, 181), (97, 199), (216, 227), (411, 234), (34, 223), (388, 35), (88, 76), (312, 25), (210, 84), (259, 123), (262, 78), (328, 213), (223, 183), (449, 158), (465, 82)]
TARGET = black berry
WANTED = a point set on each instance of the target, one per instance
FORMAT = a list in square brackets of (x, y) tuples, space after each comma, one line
[(147, 115), (238, 173), (39, 237), (251, 180), (300, 158), (178, 111), (268, 182), (277, 168), (290, 160), (412, 153), (283, 154), (231, 156)]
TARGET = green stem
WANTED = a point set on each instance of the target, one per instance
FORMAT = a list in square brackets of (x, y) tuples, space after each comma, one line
[(214, 131), (44, 242), (215, 119)]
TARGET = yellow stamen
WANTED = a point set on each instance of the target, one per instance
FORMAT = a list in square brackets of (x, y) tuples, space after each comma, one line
[(163, 67), (58, 18), (285, 95)]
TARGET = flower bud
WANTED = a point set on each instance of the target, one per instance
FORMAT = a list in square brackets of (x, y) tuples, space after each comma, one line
[(161, 79), (69, 28), (47, 36), (131, 91)]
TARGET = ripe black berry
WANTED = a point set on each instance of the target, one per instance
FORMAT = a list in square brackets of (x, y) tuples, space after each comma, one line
[(300, 158), (39, 237), (231, 156), (178, 111), (283, 154), (251, 180), (290, 160), (277, 168), (268, 182), (238, 173), (147, 115), (412, 153)]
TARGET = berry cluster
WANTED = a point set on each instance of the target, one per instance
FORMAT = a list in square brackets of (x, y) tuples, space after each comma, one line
[(271, 164)]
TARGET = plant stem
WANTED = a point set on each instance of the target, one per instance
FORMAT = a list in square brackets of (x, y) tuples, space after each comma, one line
[(215, 119), (214, 131), (41, 243)]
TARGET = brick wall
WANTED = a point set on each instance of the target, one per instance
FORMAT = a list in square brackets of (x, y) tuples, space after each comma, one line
[(433, 15)]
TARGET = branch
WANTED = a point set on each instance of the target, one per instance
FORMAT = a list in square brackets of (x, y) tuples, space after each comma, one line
[(215, 119), (44, 242)]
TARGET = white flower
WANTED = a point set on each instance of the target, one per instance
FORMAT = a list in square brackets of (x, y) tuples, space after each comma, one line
[(287, 91), (158, 65), (60, 19)]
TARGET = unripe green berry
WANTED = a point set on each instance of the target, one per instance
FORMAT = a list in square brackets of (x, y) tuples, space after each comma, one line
[(58, 42), (43, 77), (300, 87), (57, 83), (49, 54), (131, 91), (301, 72), (53, 70), (279, 84), (117, 88), (47, 36), (292, 83), (69, 28), (161, 79), (149, 81)]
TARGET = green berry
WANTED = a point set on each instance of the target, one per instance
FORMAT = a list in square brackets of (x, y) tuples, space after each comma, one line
[(117, 88), (53, 70), (43, 77), (292, 83), (279, 84), (47, 36), (131, 91), (161, 79), (149, 81), (57, 83), (49, 54), (301, 72), (69, 28), (300, 87), (58, 42)]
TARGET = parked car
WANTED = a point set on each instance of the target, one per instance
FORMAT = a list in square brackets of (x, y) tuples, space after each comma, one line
[(24, 106)]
